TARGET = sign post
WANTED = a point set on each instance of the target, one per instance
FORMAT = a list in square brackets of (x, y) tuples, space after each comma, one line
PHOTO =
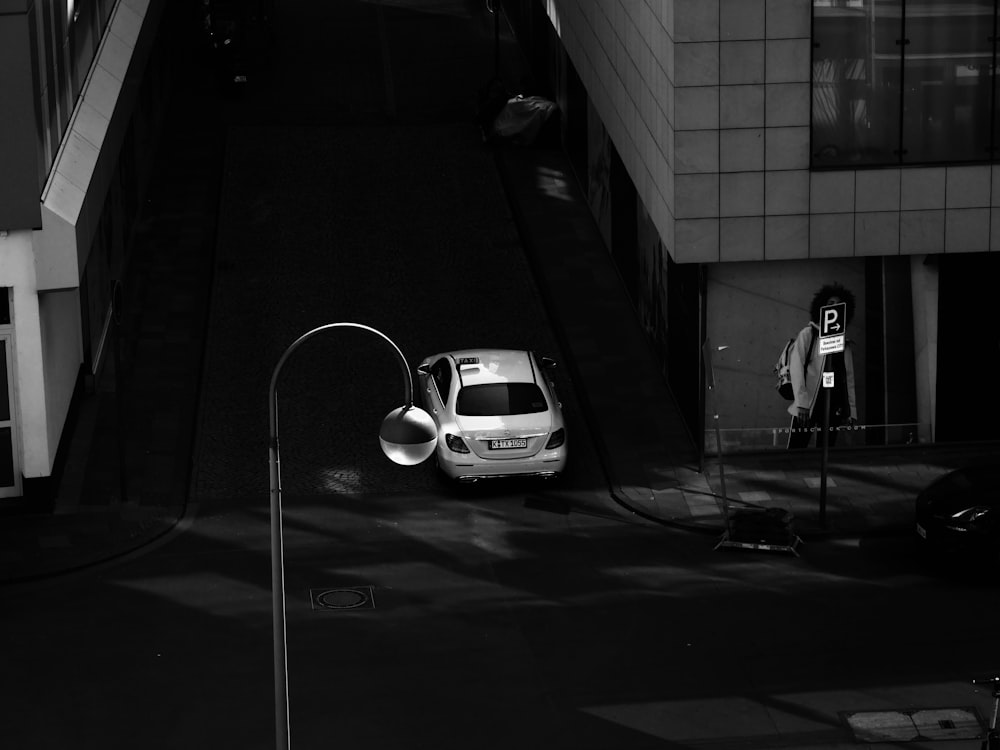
[(832, 340), (826, 445), (750, 527)]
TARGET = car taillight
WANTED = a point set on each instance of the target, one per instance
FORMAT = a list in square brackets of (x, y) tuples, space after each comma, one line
[(456, 444), (556, 439)]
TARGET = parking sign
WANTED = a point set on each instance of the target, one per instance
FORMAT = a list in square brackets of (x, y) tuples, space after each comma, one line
[(832, 328)]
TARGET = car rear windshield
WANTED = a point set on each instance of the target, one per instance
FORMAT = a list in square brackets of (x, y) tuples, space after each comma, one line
[(498, 399)]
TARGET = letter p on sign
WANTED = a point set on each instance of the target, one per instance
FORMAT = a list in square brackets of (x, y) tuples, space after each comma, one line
[(832, 319)]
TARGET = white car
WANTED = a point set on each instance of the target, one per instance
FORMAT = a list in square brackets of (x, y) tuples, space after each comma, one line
[(496, 412)]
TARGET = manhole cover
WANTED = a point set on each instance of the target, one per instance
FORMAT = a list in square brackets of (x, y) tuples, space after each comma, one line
[(914, 724), (355, 597)]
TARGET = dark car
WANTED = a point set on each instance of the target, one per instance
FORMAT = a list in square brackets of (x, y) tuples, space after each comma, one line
[(960, 511)]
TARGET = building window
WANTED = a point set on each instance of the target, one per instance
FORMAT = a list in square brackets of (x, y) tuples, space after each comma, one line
[(903, 82)]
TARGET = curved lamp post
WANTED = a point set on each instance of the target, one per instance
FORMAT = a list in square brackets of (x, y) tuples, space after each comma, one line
[(407, 437)]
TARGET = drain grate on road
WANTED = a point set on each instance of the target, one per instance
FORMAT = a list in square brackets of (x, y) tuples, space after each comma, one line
[(340, 599), (912, 725)]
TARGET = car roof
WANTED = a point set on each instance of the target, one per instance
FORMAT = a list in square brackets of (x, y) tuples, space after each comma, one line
[(479, 366)]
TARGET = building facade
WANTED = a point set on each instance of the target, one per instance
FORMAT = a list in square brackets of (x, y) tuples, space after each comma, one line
[(82, 82), (740, 154)]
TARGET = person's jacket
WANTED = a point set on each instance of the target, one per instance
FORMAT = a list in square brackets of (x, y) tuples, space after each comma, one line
[(808, 377)]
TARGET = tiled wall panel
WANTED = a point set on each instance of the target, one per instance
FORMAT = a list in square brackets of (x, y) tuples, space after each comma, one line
[(708, 104)]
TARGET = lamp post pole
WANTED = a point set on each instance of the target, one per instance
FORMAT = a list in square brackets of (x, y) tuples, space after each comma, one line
[(408, 436), (116, 313), (496, 38)]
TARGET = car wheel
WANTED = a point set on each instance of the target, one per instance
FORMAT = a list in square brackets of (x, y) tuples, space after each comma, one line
[(442, 477)]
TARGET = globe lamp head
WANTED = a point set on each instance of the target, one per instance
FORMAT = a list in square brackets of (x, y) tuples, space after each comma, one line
[(408, 435)]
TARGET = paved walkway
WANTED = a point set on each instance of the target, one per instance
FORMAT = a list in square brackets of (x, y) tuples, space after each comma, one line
[(645, 453), (652, 466)]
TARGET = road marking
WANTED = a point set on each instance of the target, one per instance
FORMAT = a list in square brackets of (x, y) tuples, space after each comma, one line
[(914, 724)]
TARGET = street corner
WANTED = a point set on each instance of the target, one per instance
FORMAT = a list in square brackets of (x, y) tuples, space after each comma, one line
[(37, 548)]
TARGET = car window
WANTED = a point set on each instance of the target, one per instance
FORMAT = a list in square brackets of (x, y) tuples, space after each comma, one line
[(441, 372), (498, 399)]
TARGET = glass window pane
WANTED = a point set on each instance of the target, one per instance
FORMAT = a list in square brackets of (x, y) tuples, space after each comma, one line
[(856, 79), (948, 81), (500, 399)]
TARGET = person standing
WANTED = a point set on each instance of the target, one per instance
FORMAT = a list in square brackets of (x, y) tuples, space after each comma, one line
[(806, 367)]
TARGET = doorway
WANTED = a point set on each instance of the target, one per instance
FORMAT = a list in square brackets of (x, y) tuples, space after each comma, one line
[(968, 402)]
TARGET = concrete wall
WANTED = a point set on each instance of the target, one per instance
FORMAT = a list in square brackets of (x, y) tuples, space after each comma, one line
[(47, 355), (753, 309), (651, 302), (599, 172), (708, 104), (62, 354), (17, 271), (623, 53)]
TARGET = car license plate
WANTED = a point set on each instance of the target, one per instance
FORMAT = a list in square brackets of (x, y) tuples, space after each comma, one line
[(503, 444), (921, 531)]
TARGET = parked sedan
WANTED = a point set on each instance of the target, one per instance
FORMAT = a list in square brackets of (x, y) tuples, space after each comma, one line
[(961, 511), (496, 412)]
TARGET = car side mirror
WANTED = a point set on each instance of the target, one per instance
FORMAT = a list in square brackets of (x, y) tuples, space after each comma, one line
[(548, 363), (424, 369)]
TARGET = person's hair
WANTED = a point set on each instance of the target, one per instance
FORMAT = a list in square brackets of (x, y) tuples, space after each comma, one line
[(832, 290)]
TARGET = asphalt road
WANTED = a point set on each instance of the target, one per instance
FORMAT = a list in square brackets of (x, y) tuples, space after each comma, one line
[(359, 192), (495, 624)]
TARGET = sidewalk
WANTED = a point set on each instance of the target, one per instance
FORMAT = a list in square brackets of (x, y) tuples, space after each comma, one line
[(648, 456), (166, 293), (645, 451)]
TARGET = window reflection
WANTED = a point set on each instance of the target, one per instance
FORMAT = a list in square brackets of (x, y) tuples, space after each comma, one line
[(856, 65), (899, 81), (948, 77), (995, 112)]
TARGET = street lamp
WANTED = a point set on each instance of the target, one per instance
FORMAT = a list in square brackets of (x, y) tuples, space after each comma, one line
[(407, 437)]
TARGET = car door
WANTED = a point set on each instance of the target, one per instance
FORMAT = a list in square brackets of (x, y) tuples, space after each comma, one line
[(437, 388)]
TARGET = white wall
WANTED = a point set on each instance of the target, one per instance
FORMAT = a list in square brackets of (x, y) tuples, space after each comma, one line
[(62, 355), (17, 270)]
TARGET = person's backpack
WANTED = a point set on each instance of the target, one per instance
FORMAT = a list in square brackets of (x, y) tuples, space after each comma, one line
[(783, 370)]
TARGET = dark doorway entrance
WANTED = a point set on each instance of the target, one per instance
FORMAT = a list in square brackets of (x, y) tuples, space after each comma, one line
[(685, 332), (624, 225), (968, 396)]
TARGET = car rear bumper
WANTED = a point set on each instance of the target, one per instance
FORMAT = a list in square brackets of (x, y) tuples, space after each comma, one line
[(934, 534), (479, 469)]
